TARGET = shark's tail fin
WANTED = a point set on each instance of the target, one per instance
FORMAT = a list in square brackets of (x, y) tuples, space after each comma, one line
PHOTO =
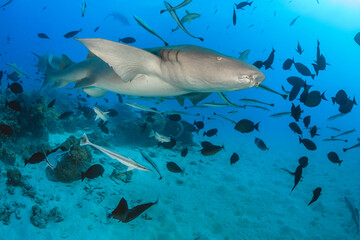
[(48, 79), (84, 140)]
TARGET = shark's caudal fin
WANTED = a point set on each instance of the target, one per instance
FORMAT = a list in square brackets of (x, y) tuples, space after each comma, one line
[(47, 77), (84, 140), (128, 62)]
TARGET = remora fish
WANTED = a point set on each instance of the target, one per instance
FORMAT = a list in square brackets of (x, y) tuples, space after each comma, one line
[(122, 159), (83, 8), (248, 100), (187, 19), (177, 20), (5, 4), (159, 73), (147, 158), (227, 101), (134, 105), (355, 146), (183, 4), (147, 28), (17, 69), (264, 87), (344, 133), (101, 115), (354, 213)]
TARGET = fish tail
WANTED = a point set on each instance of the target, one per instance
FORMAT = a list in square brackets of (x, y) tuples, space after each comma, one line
[(82, 176), (300, 140), (152, 133), (204, 133), (333, 100), (250, 3), (312, 76), (257, 126), (354, 101), (48, 77), (340, 162), (284, 96), (345, 149), (323, 96), (162, 11), (84, 140)]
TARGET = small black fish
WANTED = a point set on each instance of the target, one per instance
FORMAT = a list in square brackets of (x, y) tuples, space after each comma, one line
[(92, 172), (316, 195), (112, 112), (293, 126), (234, 17), (340, 97), (174, 117), (295, 112), (15, 87), (294, 92), (210, 149), (314, 98), (6, 130), (184, 152), (72, 34), (127, 40), (103, 127), (334, 158), (43, 36), (65, 115), (210, 132), (14, 105), (97, 28), (259, 64), (310, 145), (298, 173), (243, 4), (313, 131), (52, 103), (299, 49), (199, 124), (303, 161), (168, 145), (246, 126), (234, 158), (13, 76), (347, 106), (296, 81), (288, 63), (303, 70), (173, 167), (35, 158), (269, 61), (306, 121), (260, 144)]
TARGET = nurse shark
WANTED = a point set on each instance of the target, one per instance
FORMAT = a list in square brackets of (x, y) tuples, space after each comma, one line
[(168, 71)]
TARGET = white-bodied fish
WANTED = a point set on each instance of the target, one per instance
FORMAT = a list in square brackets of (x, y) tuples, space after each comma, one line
[(101, 115), (131, 164), (54, 158), (17, 69), (159, 137), (146, 109)]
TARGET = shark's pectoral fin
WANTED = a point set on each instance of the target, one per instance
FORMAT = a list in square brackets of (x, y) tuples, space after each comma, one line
[(194, 98), (95, 92), (127, 61)]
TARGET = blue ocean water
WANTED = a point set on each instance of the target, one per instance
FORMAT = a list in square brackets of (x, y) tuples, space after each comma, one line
[(210, 198)]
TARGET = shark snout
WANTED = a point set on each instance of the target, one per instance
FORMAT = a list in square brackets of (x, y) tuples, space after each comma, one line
[(258, 78)]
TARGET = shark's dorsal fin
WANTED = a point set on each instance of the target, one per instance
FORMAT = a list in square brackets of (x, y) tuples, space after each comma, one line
[(65, 62), (127, 61)]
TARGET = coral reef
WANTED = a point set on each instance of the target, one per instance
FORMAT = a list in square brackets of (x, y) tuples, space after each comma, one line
[(71, 165), (40, 218), (13, 177)]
